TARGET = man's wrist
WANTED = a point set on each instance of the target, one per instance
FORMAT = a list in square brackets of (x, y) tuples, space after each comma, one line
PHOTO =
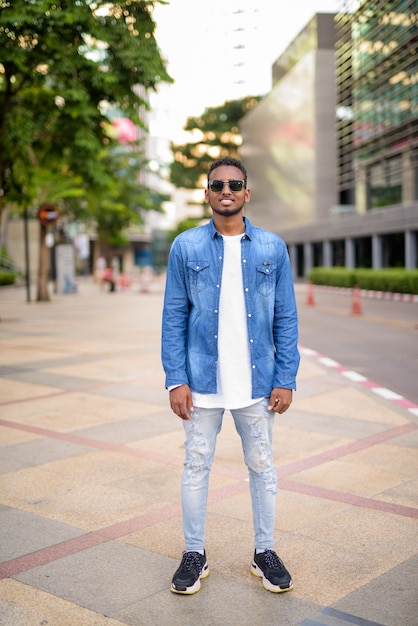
[(171, 387)]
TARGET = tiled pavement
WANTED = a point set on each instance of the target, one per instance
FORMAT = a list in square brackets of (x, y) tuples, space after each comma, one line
[(90, 465)]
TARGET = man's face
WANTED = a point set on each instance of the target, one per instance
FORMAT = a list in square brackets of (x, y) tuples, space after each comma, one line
[(227, 202)]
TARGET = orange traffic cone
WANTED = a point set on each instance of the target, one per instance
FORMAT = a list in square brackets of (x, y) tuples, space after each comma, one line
[(356, 308), (310, 297)]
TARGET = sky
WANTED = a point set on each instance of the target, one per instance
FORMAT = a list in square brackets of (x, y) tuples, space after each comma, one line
[(195, 39)]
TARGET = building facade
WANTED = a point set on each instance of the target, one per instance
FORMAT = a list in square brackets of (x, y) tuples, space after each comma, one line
[(288, 142), (373, 221)]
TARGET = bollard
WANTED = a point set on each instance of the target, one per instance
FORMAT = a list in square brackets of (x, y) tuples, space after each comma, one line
[(355, 307), (310, 298)]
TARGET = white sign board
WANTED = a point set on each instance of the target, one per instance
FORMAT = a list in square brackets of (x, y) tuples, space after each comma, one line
[(64, 258)]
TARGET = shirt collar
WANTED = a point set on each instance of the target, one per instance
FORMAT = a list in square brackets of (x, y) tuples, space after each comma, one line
[(248, 228)]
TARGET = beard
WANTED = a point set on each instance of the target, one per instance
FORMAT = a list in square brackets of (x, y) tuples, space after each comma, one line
[(227, 211)]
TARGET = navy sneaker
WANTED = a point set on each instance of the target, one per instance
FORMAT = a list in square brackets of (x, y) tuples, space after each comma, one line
[(268, 566), (192, 568)]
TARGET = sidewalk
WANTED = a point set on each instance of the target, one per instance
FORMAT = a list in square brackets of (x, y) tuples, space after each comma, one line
[(90, 466)]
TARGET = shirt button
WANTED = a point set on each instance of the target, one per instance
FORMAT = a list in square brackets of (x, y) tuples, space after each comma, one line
[(246, 289), (253, 366), (244, 260), (217, 286), (249, 314), (215, 310), (251, 340), (215, 336)]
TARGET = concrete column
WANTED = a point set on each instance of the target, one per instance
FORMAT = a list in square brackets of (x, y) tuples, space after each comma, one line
[(410, 250), (350, 254), (293, 255), (327, 253), (377, 252), (361, 188), (308, 258)]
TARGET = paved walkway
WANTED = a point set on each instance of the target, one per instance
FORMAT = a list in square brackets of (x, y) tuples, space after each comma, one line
[(90, 466)]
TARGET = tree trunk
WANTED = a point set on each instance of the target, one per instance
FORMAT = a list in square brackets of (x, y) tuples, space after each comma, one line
[(4, 215), (43, 293)]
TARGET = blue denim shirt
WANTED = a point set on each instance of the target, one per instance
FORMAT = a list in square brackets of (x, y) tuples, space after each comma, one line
[(191, 310)]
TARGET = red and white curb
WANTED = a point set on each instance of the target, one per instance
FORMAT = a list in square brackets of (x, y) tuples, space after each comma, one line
[(355, 377), (369, 293)]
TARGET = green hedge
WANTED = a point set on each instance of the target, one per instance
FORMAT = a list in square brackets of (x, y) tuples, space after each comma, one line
[(7, 278), (393, 280)]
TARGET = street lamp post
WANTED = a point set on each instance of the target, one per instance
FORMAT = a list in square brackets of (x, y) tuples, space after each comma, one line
[(27, 268)]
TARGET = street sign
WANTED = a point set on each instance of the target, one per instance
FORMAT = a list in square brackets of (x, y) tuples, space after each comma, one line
[(48, 214)]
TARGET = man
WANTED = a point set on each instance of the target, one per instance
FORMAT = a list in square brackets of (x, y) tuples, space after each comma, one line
[(229, 341)]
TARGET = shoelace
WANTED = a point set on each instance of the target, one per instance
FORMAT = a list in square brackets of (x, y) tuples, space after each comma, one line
[(273, 560), (191, 559)]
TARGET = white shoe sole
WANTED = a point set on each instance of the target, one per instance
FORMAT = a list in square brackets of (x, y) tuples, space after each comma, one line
[(194, 588), (266, 583)]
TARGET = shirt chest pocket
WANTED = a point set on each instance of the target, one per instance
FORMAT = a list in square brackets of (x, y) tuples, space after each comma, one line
[(198, 272), (266, 278)]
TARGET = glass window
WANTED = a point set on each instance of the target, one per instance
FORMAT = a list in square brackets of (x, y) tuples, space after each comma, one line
[(385, 183)]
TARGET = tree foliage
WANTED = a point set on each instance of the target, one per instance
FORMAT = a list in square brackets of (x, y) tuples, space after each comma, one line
[(213, 135), (114, 211), (63, 64), (186, 224)]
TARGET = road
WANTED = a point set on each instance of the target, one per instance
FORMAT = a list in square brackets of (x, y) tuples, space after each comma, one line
[(381, 343)]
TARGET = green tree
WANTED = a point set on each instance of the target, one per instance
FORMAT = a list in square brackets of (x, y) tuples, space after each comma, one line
[(124, 199), (189, 222), (63, 65), (213, 135)]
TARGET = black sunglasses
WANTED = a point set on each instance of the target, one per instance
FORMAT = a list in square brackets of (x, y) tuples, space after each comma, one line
[(218, 185)]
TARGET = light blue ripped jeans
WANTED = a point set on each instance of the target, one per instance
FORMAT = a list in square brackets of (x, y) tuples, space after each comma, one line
[(254, 424)]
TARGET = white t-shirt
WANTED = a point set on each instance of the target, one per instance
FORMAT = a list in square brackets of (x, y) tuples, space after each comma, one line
[(234, 364)]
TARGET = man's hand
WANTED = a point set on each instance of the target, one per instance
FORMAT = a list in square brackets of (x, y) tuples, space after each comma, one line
[(181, 401), (280, 400)]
